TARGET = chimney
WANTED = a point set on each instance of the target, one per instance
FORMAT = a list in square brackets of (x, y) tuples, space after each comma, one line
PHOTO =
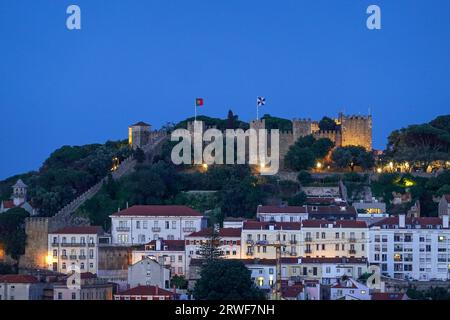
[(445, 221), (401, 221)]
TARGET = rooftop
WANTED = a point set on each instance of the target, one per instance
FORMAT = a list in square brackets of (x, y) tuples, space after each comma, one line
[(336, 224), (146, 291), (140, 124), (17, 278), (410, 223), (389, 296), (260, 225), (168, 245), (223, 232), (79, 230), (281, 209), (158, 210)]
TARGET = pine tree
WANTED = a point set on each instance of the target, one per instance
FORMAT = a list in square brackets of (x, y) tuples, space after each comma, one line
[(210, 249)]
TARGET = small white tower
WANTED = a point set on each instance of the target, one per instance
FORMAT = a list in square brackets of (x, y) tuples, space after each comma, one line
[(19, 192)]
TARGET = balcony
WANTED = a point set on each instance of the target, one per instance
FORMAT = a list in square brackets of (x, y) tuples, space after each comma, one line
[(189, 229), (55, 244), (156, 229), (308, 239), (64, 257), (249, 241), (91, 245), (293, 242), (123, 229), (352, 240), (71, 257), (293, 253), (352, 251), (82, 257), (262, 243), (250, 253), (308, 251), (73, 244)]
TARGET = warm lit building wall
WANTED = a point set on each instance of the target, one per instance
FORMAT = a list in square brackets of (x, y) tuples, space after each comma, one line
[(328, 239)]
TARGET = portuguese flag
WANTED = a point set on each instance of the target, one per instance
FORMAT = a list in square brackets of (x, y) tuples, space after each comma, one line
[(199, 102)]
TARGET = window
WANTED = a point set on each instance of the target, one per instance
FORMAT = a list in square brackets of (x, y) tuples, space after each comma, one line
[(63, 239), (72, 240), (141, 238), (337, 235), (155, 224), (91, 253), (270, 271), (55, 239), (91, 265), (315, 271), (317, 235), (63, 266), (337, 247), (180, 270), (167, 224), (174, 224), (323, 235), (55, 253), (264, 249), (138, 224), (180, 258), (323, 247), (74, 295), (83, 240), (328, 270), (144, 225), (82, 266), (59, 295)]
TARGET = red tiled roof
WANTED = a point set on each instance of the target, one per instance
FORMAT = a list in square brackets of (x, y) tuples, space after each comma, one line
[(291, 291), (331, 210), (87, 275), (79, 230), (159, 210), (140, 124), (17, 278), (388, 296), (336, 224), (172, 245), (267, 262), (8, 204), (423, 222), (223, 232), (293, 260), (281, 209), (447, 197), (344, 285), (146, 291), (260, 225)]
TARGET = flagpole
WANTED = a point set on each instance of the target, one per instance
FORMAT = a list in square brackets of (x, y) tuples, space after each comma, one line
[(195, 112), (257, 111)]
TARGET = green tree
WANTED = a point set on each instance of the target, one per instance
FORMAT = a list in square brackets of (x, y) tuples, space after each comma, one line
[(179, 282), (327, 124), (210, 249), (298, 200), (12, 231), (304, 177), (304, 153), (351, 156), (226, 279), (139, 155)]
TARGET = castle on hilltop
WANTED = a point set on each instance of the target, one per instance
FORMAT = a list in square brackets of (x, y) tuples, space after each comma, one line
[(350, 131)]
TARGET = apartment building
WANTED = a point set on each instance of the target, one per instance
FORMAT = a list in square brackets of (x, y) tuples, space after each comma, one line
[(20, 287), (259, 239), (148, 272), (84, 286), (229, 243), (75, 248), (329, 239), (412, 248), (170, 253), (146, 293), (349, 289), (325, 270), (263, 272), (144, 223)]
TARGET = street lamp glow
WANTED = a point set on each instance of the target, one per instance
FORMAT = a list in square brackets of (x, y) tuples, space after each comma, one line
[(205, 166), (379, 170), (318, 165)]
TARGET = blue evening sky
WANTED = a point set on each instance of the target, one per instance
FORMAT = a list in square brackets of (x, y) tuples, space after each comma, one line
[(148, 60)]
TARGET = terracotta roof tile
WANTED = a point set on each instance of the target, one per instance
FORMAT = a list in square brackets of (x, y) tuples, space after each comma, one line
[(146, 291), (17, 278), (260, 225), (223, 232), (159, 210), (336, 224), (389, 296), (281, 209), (79, 230)]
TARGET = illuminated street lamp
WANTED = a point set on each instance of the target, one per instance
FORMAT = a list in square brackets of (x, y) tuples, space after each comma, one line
[(205, 166), (318, 165), (379, 170)]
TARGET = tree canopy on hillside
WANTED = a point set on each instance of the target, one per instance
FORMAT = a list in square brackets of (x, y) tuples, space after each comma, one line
[(304, 153)]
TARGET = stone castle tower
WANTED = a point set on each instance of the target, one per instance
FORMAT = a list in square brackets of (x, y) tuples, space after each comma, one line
[(138, 134), (356, 131)]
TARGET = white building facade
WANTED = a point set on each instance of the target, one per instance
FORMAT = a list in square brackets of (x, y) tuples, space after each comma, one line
[(74, 248), (142, 224), (411, 248)]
